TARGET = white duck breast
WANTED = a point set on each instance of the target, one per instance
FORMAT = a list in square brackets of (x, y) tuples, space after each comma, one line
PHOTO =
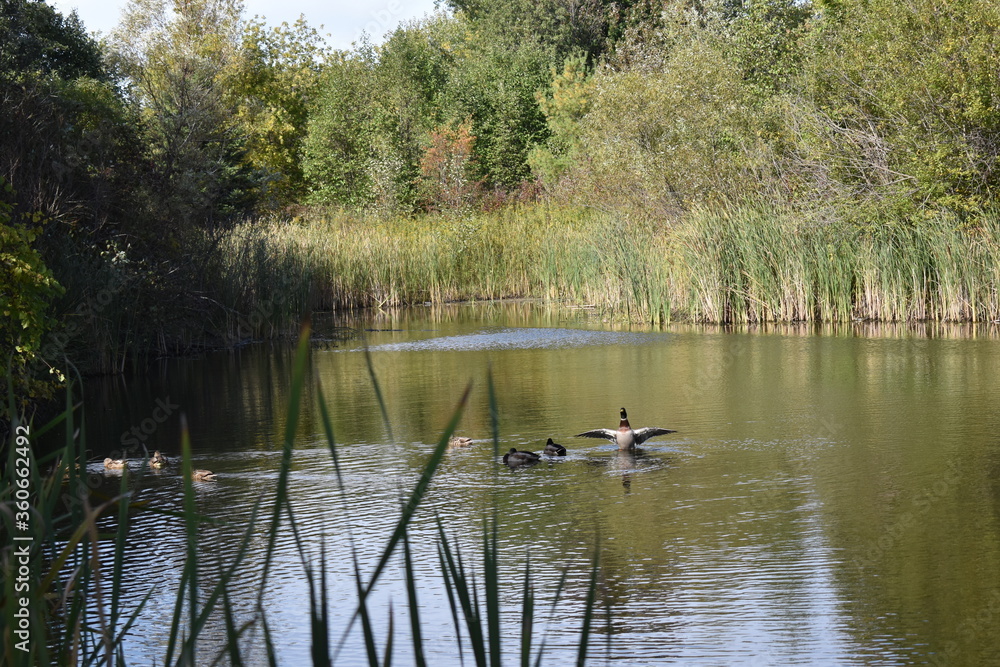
[(626, 437)]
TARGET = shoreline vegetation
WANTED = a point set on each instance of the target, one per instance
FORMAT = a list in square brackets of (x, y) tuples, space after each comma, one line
[(736, 266), (198, 177)]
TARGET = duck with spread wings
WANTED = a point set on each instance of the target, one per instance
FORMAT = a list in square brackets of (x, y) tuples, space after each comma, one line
[(625, 436)]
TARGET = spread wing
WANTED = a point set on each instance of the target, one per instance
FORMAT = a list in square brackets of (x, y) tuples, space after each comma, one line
[(644, 434), (605, 433)]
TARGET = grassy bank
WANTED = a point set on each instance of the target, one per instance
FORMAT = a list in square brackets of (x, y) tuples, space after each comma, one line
[(745, 264)]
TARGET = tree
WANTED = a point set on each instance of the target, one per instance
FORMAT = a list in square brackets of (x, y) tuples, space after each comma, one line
[(64, 127), (494, 85), (381, 108), (278, 83), (562, 28), (182, 71), (36, 38), (901, 103), (446, 169), (565, 104)]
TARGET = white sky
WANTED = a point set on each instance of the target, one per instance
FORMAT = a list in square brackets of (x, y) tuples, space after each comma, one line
[(342, 20)]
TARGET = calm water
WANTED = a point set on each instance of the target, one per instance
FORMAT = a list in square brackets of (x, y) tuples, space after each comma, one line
[(830, 497)]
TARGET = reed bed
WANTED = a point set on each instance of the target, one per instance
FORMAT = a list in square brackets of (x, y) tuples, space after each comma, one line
[(750, 263), (760, 265)]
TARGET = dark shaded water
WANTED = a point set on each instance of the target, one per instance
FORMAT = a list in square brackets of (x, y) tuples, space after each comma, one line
[(830, 497)]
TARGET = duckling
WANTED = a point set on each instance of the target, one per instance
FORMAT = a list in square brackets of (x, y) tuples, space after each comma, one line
[(114, 464), (625, 437), (514, 458), (554, 449), (456, 442), (55, 466), (157, 460), (202, 475)]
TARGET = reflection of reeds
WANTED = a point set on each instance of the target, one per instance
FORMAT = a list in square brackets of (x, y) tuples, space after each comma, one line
[(737, 265), (76, 598)]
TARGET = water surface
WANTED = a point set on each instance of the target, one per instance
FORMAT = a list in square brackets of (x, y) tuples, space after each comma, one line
[(830, 497)]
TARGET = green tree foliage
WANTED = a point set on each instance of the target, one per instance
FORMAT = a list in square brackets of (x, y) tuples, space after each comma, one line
[(562, 28), (27, 291), (565, 104), (901, 102), (379, 106), (35, 38), (493, 83), (665, 139), (183, 68), (276, 84), (764, 40), (63, 127), (69, 147), (684, 111), (374, 115), (340, 149), (869, 108)]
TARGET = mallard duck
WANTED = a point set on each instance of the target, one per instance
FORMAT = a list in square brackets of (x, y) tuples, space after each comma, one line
[(202, 475), (457, 441), (157, 460), (514, 458), (554, 449), (114, 464), (625, 437)]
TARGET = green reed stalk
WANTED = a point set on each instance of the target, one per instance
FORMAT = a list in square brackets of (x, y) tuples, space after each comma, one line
[(527, 614), (411, 598)]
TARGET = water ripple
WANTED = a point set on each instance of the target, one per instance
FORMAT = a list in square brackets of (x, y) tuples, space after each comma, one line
[(509, 338)]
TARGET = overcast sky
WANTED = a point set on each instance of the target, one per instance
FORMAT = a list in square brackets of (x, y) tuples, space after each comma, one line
[(342, 20)]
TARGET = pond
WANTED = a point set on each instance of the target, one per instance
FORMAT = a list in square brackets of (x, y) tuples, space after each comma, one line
[(831, 495)]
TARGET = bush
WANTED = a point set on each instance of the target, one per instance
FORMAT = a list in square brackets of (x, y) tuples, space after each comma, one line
[(27, 290)]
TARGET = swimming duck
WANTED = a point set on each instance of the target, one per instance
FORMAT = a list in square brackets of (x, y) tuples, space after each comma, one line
[(554, 449), (514, 458), (625, 437), (114, 464), (157, 460), (202, 475), (456, 441), (65, 476)]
